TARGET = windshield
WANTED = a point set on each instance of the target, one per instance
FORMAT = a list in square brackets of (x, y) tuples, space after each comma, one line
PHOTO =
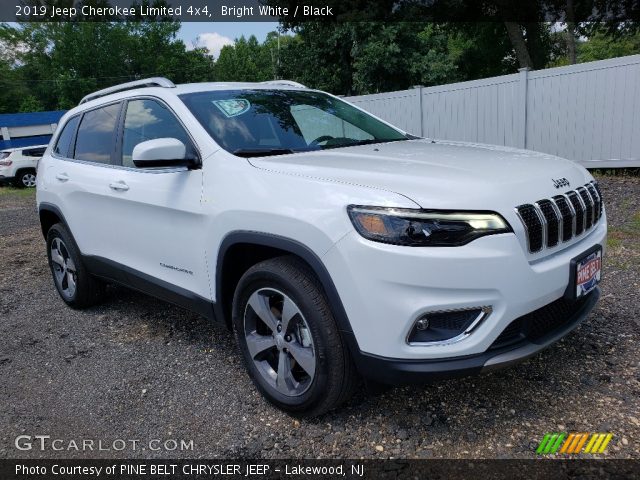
[(273, 122)]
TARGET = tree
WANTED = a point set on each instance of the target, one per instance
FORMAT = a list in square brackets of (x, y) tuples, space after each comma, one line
[(60, 62), (244, 61)]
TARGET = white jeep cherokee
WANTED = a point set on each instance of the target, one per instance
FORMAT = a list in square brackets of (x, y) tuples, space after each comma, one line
[(19, 165), (334, 244)]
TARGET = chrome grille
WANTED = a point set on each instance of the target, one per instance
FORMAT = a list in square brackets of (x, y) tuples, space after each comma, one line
[(551, 221)]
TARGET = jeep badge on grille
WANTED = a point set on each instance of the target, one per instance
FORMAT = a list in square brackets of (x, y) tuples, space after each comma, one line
[(560, 182)]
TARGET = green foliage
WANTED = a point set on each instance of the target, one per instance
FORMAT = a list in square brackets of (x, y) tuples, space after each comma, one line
[(601, 46), (30, 104), (56, 64), (53, 65), (596, 44), (245, 61)]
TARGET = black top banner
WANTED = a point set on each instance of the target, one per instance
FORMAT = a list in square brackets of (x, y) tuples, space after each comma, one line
[(291, 12)]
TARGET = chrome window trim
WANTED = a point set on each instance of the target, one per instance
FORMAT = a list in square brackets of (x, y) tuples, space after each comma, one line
[(120, 167), (483, 315)]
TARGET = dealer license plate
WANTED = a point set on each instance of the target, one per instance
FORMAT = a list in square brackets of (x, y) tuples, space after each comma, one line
[(588, 270)]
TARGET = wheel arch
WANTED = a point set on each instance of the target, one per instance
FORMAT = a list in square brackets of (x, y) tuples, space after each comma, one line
[(240, 250), (50, 215)]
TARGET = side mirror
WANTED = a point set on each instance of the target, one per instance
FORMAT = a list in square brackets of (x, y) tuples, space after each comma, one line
[(162, 152)]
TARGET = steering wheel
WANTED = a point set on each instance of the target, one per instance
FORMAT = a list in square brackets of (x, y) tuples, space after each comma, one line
[(322, 138)]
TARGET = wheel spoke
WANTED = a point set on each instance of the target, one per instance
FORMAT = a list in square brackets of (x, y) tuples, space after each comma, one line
[(284, 380), (259, 343), (70, 265), (289, 310), (56, 257), (71, 282), (304, 357), (260, 305)]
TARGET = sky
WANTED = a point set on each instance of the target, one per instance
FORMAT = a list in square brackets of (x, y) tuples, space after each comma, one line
[(215, 35)]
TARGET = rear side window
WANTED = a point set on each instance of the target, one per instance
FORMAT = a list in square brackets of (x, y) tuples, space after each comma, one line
[(63, 145), (34, 152), (96, 134), (148, 120)]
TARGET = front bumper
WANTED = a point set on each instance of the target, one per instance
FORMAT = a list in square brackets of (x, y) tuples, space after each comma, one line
[(394, 371), (385, 288)]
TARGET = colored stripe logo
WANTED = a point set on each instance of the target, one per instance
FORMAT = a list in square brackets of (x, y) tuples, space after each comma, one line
[(574, 443)]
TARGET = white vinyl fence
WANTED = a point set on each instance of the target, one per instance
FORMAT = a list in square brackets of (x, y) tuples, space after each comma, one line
[(588, 112)]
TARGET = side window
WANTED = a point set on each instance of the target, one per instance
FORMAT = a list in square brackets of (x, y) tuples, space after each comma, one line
[(95, 141), (66, 137), (33, 152), (147, 120)]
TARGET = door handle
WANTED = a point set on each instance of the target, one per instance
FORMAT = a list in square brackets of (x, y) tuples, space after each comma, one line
[(119, 186), (63, 177)]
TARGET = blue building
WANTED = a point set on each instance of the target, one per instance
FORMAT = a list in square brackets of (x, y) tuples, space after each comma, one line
[(26, 129)]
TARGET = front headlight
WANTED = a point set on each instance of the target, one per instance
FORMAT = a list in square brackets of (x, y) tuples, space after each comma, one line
[(424, 228)]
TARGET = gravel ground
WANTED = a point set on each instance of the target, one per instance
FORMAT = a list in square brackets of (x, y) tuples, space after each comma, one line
[(136, 368)]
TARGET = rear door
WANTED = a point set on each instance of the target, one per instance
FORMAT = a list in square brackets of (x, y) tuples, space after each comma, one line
[(83, 156)]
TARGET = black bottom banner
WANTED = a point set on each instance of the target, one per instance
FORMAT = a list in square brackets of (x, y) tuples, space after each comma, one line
[(297, 469)]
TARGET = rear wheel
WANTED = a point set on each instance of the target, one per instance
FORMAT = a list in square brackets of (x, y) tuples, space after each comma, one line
[(26, 179), (76, 286), (289, 339)]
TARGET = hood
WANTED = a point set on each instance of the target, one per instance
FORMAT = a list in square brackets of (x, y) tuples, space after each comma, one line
[(438, 174)]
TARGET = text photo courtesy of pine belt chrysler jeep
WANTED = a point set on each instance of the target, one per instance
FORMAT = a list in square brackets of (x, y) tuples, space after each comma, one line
[(335, 245)]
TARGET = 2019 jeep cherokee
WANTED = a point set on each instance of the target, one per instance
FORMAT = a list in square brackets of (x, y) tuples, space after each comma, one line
[(334, 244)]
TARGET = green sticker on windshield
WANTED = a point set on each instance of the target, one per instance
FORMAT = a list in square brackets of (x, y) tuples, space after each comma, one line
[(233, 107)]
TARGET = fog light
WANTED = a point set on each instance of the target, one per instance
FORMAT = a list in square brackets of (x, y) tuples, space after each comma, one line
[(446, 326), (422, 324)]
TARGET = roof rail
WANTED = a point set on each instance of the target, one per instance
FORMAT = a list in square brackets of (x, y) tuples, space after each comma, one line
[(146, 82), (286, 83)]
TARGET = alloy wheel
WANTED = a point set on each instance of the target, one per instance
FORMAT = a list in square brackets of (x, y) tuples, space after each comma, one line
[(279, 342), (29, 180), (64, 270)]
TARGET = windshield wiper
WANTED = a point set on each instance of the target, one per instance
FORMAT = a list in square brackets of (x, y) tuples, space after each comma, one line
[(356, 143), (260, 152)]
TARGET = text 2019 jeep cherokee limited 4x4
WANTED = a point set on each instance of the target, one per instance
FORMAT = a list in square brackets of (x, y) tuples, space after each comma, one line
[(335, 245)]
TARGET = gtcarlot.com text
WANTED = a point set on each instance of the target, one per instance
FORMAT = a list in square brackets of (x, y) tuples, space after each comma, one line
[(46, 443)]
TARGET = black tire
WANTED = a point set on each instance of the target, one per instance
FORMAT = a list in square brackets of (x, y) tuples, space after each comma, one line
[(334, 377), (25, 178), (88, 290)]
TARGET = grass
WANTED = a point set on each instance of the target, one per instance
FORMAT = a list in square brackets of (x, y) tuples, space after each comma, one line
[(626, 236), (18, 192), (634, 225), (615, 172)]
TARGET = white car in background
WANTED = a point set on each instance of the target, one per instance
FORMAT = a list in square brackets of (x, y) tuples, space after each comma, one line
[(19, 165)]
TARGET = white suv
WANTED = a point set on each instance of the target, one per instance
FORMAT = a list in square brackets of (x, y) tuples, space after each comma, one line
[(19, 165), (335, 245)]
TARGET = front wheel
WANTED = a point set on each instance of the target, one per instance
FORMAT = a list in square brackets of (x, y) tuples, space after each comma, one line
[(289, 339)]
